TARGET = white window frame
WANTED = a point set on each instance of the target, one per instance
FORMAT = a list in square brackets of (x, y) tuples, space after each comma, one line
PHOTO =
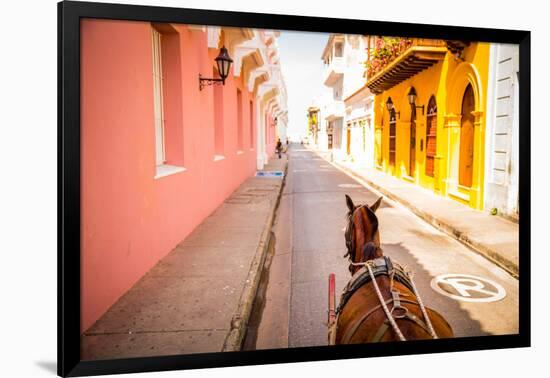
[(160, 153)]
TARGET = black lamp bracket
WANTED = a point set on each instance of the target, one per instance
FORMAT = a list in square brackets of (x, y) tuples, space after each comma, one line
[(418, 107), (204, 82)]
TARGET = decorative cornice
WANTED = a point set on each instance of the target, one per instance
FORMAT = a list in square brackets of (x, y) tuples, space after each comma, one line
[(452, 120), (254, 48), (213, 36)]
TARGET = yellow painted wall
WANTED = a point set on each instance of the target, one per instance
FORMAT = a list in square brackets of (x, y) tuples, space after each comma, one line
[(447, 80)]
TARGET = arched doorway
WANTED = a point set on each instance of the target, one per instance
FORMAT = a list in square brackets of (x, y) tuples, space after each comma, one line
[(431, 136), (466, 157), (393, 122)]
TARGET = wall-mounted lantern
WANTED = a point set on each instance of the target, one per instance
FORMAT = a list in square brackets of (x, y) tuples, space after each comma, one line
[(223, 62), (412, 100), (389, 106)]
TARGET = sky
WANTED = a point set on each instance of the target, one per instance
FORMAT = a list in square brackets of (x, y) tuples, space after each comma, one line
[(302, 67)]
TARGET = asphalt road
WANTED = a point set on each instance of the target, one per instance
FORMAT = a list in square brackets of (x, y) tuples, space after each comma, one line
[(309, 245)]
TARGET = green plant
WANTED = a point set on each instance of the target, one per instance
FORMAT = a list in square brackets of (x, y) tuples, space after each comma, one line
[(386, 49)]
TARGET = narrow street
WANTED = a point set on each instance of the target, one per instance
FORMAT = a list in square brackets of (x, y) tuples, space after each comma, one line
[(309, 245), (217, 226)]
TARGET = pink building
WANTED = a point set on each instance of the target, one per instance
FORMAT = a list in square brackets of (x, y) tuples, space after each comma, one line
[(159, 154)]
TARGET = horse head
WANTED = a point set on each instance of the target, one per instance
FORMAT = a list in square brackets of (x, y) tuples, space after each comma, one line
[(362, 235)]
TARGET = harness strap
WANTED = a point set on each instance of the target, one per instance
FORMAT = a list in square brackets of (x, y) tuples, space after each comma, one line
[(418, 321), (380, 266), (384, 306), (351, 331), (367, 273), (381, 332), (389, 266), (396, 299), (385, 326), (422, 307), (349, 334)]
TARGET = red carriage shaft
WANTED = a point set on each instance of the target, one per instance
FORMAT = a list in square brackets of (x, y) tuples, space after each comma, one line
[(331, 299)]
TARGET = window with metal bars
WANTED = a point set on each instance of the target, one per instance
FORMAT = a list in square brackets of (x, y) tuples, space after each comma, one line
[(431, 136), (393, 123)]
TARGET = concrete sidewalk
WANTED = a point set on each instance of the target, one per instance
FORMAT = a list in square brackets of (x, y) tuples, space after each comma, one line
[(198, 298), (494, 237)]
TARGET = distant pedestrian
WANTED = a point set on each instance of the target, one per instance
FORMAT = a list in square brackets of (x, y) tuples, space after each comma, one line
[(279, 147)]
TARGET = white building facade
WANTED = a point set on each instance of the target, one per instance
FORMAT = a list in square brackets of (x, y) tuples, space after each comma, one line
[(502, 134), (261, 52), (348, 112)]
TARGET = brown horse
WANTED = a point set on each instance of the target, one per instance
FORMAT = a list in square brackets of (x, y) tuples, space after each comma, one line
[(388, 307)]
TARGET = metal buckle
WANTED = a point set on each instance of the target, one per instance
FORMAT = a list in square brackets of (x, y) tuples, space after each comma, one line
[(397, 311)]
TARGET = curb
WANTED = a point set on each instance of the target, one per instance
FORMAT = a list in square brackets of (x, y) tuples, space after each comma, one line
[(490, 254), (239, 322)]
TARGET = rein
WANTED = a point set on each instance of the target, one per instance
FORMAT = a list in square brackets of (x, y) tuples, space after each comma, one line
[(369, 265)]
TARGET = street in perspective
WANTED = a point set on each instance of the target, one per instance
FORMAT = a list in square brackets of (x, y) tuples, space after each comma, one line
[(277, 189), (309, 234)]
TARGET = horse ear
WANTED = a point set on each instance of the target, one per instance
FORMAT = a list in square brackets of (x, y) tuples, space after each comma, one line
[(376, 205), (350, 204)]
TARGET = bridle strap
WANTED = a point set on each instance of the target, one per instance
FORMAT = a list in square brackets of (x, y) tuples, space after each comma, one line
[(350, 232), (351, 332)]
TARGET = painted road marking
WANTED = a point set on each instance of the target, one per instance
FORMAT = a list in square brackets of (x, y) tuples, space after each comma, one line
[(468, 288)]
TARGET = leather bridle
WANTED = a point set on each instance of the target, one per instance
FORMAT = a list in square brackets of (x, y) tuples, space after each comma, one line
[(350, 231), (349, 235)]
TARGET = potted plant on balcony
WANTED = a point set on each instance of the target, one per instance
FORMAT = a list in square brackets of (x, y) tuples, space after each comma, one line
[(386, 50)]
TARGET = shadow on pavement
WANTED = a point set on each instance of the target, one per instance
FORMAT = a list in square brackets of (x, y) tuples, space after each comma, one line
[(459, 319)]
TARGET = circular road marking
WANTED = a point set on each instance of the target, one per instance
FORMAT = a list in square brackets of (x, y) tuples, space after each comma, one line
[(468, 288)]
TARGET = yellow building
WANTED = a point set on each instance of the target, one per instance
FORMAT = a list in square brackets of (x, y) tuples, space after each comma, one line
[(430, 113), (313, 124)]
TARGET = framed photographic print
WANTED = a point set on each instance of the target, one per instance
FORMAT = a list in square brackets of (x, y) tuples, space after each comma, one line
[(240, 188)]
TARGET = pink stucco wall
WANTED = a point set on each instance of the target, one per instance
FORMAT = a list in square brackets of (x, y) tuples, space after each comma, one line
[(129, 220)]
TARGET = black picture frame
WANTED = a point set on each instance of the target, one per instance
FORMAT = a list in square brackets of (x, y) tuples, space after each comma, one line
[(69, 15)]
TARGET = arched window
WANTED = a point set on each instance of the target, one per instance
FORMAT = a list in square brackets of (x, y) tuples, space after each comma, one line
[(393, 122), (431, 136)]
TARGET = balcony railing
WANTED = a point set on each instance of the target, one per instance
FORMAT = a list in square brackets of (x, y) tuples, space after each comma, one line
[(333, 71), (394, 60), (333, 110)]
